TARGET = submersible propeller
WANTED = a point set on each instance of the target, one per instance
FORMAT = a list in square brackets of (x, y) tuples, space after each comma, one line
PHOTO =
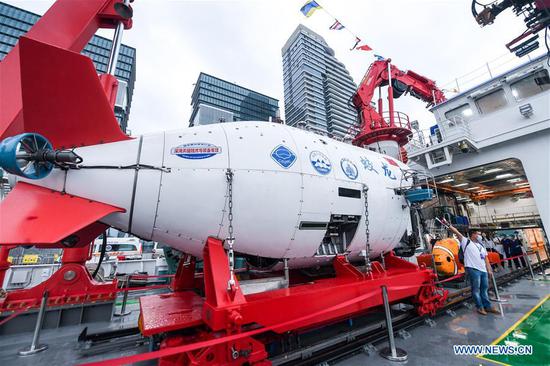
[(31, 155)]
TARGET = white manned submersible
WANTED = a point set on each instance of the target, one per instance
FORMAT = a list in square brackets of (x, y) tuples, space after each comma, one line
[(295, 194)]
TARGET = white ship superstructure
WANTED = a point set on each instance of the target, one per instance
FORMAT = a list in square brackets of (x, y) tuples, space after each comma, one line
[(494, 139)]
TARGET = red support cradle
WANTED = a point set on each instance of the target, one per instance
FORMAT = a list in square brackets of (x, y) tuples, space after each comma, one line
[(222, 312), (70, 284)]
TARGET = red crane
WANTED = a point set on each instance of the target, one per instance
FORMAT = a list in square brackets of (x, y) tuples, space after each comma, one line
[(379, 125), (536, 16)]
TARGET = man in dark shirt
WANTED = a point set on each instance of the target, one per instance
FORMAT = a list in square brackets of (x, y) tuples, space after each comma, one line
[(517, 249), (507, 244)]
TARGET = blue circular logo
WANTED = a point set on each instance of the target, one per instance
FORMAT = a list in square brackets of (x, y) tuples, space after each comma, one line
[(349, 169), (283, 156), (320, 162)]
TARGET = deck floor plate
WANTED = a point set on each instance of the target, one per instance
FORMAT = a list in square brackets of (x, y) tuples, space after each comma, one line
[(532, 329), (434, 346), (166, 312), (427, 346)]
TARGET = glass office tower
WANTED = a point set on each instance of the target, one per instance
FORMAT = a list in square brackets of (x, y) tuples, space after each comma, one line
[(15, 22), (215, 100), (317, 87)]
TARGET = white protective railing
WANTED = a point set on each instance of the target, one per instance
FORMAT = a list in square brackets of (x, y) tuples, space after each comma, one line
[(487, 71), (4, 189), (451, 130), (521, 214)]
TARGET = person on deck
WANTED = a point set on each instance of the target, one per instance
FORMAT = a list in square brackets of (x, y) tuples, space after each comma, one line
[(507, 246), (516, 250), (491, 247), (478, 269), (499, 249), (488, 242)]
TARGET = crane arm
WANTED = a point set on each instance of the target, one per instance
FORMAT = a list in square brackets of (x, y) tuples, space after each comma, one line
[(489, 12), (390, 125), (536, 14), (417, 85)]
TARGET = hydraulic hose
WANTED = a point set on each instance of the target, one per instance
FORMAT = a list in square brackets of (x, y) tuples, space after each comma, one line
[(102, 255)]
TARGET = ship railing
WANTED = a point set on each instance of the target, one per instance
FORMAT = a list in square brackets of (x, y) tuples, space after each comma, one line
[(516, 218), (487, 71), (448, 131), (4, 185), (21, 259), (400, 119), (4, 190), (435, 229), (352, 131), (303, 125)]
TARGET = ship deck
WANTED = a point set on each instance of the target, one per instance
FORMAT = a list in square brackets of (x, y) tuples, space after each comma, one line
[(426, 346), (434, 346)]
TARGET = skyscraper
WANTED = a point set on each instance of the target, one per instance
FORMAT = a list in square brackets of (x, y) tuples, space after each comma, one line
[(215, 100), (15, 22), (317, 86)]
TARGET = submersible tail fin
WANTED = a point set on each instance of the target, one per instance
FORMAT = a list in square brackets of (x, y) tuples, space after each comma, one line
[(49, 88), (60, 104), (32, 215), (52, 99), (55, 93)]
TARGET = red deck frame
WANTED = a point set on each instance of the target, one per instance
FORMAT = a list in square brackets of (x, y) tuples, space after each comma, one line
[(70, 284), (224, 312)]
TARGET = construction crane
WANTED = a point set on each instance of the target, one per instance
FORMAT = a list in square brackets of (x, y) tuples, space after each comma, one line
[(390, 127), (536, 15)]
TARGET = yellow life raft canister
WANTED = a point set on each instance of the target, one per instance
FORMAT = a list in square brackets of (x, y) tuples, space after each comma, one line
[(445, 254)]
